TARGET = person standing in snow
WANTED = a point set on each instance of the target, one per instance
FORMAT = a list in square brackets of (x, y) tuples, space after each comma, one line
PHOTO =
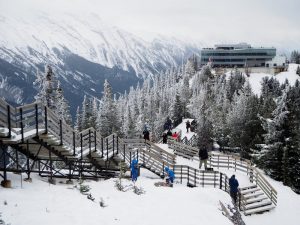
[(188, 125), (134, 167), (233, 184), (203, 156), (170, 176)]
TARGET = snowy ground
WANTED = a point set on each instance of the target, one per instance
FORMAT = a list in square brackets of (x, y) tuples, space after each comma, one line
[(256, 78), (40, 202)]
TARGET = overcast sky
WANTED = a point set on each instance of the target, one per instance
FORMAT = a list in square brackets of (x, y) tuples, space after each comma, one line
[(259, 22)]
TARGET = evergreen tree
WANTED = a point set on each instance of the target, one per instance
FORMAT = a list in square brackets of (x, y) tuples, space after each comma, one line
[(107, 120), (78, 126), (177, 110), (46, 85), (271, 157), (62, 106), (86, 113)]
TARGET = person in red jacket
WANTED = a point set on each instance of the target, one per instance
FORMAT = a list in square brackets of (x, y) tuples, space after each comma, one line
[(175, 136)]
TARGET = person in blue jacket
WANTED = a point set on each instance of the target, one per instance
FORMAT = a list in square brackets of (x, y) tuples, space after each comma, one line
[(233, 184), (134, 170), (171, 176)]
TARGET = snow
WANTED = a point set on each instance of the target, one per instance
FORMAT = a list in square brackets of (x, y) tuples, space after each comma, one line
[(256, 78), (39, 202), (38, 35), (182, 127)]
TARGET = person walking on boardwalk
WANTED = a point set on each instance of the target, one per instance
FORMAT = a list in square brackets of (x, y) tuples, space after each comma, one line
[(188, 126), (175, 136), (146, 135), (233, 184), (134, 167), (203, 156)]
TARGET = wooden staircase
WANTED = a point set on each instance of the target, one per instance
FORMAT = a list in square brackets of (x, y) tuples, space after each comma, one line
[(254, 200)]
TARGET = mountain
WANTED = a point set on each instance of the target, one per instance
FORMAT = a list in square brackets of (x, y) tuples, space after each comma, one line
[(83, 51)]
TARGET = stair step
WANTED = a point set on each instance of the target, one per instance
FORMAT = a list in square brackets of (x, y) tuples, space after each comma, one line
[(258, 204), (259, 210), (253, 195), (249, 187), (247, 191), (258, 199)]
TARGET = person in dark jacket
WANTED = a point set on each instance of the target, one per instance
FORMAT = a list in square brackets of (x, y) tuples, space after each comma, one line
[(146, 135), (188, 126), (134, 170), (203, 156), (165, 138), (169, 133), (233, 184)]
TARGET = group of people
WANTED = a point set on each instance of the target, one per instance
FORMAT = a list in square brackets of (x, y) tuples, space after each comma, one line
[(134, 169)]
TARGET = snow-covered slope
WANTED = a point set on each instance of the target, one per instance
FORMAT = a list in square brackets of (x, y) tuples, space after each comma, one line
[(255, 79), (83, 51), (41, 35)]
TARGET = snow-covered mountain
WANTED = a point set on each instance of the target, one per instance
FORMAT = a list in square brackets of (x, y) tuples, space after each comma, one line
[(83, 51)]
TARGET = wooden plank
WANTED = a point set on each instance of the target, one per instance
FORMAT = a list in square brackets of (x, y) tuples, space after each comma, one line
[(259, 210)]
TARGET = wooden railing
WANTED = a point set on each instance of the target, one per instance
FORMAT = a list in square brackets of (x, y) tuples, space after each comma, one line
[(183, 150), (149, 154), (202, 178), (36, 118), (245, 166), (192, 141)]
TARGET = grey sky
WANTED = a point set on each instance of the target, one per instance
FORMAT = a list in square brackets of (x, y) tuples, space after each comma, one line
[(260, 22)]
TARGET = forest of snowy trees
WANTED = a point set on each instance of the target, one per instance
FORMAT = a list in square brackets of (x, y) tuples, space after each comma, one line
[(265, 128)]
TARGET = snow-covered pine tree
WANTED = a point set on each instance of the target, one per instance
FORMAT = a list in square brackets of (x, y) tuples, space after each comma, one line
[(177, 110), (78, 121), (242, 122), (291, 156), (46, 85), (204, 129), (108, 121), (62, 106), (271, 156), (86, 113)]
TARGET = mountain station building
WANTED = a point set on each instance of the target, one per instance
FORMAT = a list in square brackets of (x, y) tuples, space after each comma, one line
[(237, 55)]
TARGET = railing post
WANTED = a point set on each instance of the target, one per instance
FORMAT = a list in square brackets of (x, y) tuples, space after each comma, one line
[(163, 169), (102, 147), (95, 139), (124, 153), (81, 148), (117, 145), (106, 148), (130, 159), (195, 176), (9, 121), (36, 119), (113, 144), (22, 125), (90, 144), (181, 174), (46, 120), (239, 199), (61, 132), (221, 177), (188, 175), (74, 144), (137, 157)]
